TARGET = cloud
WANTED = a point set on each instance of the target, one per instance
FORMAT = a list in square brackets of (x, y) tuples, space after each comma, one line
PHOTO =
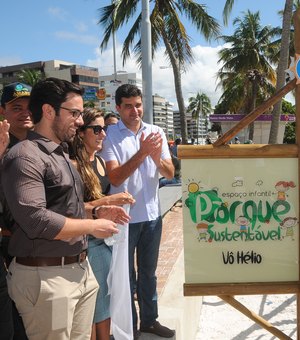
[(199, 77), (57, 12), (78, 38), (81, 27), (104, 61), (11, 60)]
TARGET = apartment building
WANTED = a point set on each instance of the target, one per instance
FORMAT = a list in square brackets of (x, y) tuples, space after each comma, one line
[(162, 109), (196, 128), (109, 84), (85, 76), (163, 115)]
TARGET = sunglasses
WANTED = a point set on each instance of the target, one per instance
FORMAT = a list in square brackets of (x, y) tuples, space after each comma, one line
[(96, 128)]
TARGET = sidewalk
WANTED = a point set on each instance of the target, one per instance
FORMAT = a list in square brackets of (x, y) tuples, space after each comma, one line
[(219, 320)]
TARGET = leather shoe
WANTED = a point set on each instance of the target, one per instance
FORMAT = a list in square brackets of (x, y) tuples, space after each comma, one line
[(136, 334), (158, 330)]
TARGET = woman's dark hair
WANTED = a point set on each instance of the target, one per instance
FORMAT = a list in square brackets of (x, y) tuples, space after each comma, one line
[(52, 91)]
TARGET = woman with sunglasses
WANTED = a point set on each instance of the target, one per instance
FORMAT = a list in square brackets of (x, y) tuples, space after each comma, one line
[(87, 142)]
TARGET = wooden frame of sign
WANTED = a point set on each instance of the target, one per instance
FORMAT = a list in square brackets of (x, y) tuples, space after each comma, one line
[(251, 153), (221, 151)]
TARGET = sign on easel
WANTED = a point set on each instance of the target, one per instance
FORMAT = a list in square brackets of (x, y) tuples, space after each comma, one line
[(240, 220)]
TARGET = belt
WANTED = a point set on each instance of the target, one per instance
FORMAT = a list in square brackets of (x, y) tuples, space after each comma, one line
[(5, 232), (51, 261)]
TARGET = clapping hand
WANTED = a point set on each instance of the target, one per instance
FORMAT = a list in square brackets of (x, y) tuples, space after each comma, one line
[(152, 145), (4, 136)]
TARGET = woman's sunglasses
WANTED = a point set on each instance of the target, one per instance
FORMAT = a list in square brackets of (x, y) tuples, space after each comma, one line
[(96, 128)]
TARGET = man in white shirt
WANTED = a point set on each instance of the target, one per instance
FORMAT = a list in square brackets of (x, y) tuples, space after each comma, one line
[(135, 154)]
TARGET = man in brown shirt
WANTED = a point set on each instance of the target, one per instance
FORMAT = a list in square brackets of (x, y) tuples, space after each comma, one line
[(50, 279)]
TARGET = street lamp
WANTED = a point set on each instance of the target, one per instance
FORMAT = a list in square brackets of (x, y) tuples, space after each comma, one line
[(146, 62), (114, 49)]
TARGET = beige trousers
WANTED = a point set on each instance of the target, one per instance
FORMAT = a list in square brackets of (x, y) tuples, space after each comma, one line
[(55, 302)]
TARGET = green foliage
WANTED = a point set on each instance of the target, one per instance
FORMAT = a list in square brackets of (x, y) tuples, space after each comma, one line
[(167, 27), (200, 104), (290, 128), (90, 104), (288, 108), (221, 108), (290, 133), (30, 77), (247, 74), (166, 20)]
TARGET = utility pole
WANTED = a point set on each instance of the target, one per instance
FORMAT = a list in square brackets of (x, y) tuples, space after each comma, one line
[(146, 62)]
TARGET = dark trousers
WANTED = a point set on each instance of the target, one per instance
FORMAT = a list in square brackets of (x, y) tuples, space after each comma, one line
[(11, 324), (145, 238), (6, 319)]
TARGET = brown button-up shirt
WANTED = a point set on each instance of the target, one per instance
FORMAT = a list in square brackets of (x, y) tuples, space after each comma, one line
[(42, 188)]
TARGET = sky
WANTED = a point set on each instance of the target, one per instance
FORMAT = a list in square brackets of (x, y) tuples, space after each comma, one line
[(36, 30)]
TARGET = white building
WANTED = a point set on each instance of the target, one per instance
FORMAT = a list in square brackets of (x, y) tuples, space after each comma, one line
[(109, 84), (162, 109), (163, 115), (196, 129)]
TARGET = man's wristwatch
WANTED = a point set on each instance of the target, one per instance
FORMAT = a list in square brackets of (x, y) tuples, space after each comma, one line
[(94, 212)]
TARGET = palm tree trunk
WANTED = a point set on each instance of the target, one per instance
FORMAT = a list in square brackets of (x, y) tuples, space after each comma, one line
[(197, 121), (178, 89), (253, 106), (282, 66)]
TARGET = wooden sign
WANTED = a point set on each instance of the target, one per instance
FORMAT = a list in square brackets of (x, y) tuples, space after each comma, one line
[(240, 217)]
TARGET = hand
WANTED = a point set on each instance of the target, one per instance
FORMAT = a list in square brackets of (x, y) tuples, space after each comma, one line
[(114, 213), (103, 228), (121, 198), (4, 136), (156, 154), (152, 144)]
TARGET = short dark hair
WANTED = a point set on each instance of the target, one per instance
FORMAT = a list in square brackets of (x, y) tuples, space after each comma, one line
[(111, 115), (52, 91), (127, 91)]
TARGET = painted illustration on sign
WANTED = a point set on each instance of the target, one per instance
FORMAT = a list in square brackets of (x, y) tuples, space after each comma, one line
[(210, 209), (246, 215)]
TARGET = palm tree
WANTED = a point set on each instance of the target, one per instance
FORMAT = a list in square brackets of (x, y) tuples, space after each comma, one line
[(283, 57), (247, 58), (166, 27), (199, 106), (30, 76), (282, 66), (227, 10)]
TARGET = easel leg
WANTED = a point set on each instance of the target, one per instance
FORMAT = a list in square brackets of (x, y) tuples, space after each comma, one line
[(255, 317)]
